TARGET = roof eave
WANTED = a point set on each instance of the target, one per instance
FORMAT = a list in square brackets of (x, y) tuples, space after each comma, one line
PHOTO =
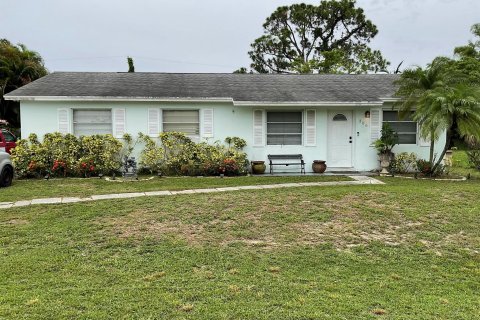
[(390, 99), (309, 103), (112, 99), (201, 100)]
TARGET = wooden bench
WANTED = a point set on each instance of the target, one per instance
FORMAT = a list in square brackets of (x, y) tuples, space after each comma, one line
[(287, 160)]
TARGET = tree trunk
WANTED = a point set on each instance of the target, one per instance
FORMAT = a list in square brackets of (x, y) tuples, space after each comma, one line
[(432, 149), (447, 145)]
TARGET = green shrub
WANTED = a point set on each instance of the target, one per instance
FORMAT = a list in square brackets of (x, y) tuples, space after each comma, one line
[(101, 151), (66, 155), (182, 156), (152, 156), (173, 154), (424, 168), (474, 158), (388, 139), (404, 162)]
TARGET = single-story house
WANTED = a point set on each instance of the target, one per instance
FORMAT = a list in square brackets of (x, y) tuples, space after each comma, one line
[(323, 117)]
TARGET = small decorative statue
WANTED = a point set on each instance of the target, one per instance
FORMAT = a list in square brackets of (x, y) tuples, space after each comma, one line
[(129, 168)]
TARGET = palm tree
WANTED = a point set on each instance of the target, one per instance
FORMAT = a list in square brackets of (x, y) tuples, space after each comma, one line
[(453, 109), (18, 67), (413, 86)]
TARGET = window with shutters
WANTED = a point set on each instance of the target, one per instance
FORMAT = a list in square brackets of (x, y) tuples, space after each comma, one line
[(406, 128), (284, 128), (186, 121), (92, 121)]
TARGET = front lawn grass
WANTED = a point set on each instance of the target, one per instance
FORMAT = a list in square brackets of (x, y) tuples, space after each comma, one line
[(462, 167), (405, 250), (77, 187)]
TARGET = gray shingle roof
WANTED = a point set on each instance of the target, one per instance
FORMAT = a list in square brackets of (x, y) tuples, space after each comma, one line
[(239, 87)]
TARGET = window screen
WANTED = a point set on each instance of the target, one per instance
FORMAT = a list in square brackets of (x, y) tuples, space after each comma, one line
[(284, 128), (94, 121), (406, 128), (186, 121)]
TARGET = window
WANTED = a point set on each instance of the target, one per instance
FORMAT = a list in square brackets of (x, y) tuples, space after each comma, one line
[(186, 121), (284, 128), (340, 117), (406, 128), (92, 121)]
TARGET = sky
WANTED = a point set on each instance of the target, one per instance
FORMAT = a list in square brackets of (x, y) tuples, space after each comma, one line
[(210, 35)]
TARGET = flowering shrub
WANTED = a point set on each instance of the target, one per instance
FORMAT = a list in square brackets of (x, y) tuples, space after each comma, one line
[(66, 155), (86, 168), (174, 153), (230, 167), (179, 155), (59, 168), (423, 166), (404, 162), (102, 151)]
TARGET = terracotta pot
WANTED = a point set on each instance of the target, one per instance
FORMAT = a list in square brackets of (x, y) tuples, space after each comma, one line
[(258, 167), (319, 166)]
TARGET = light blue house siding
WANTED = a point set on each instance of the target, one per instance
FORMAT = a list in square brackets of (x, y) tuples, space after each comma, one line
[(246, 121)]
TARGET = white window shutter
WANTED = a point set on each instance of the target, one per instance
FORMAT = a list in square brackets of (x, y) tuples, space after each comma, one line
[(375, 124), (153, 129), (207, 123), (258, 134), (63, 121), (310, 128), (118, 123)]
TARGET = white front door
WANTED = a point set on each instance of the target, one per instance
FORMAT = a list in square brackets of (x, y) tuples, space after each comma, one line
[(340, 139)]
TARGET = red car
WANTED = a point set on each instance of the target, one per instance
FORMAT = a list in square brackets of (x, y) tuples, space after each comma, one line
[(7, 141)]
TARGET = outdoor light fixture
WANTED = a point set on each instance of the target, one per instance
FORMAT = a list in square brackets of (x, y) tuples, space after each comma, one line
[(366, 119)]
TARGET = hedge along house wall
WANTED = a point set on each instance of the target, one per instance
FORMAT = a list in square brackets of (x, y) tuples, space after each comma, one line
[(219, 120), (91, 155)]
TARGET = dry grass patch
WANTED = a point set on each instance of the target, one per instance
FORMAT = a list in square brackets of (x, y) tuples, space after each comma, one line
[(14, 222), (290, 218), (142, 224)]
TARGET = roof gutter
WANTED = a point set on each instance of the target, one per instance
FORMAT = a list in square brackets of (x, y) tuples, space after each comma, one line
[(201, 100), (309, 104), (113, 98), (390, 99)]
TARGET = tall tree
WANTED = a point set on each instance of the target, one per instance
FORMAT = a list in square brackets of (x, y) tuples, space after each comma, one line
[(472, 49), (18, 67), (445, 97), (413, 86), (456, 110), (332, 37)]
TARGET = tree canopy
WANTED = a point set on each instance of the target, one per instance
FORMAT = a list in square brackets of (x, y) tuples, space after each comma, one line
[(131, 66), (445, 96), (332, 37), (18, 67)]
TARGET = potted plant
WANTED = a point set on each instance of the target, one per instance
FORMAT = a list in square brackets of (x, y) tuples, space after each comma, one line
[(319, 166), (384, 146), (258, 167)]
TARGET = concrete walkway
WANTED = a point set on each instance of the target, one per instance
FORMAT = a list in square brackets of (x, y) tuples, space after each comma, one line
[(357, 180)]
